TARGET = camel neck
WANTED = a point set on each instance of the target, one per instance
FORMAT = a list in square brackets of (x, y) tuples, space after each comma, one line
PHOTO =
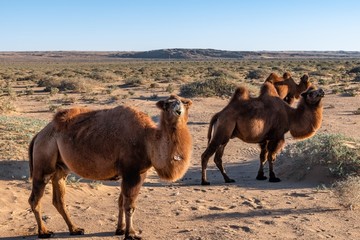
[(170, 149), (305, 120)]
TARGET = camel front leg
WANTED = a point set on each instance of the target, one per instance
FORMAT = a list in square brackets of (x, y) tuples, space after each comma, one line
[(263, 159), (130, 188), (58, 183), (274, 148), (218, 161)]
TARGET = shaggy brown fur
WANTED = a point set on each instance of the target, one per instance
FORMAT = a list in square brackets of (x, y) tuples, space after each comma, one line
[(105, 145), (263, 120), (286, 87)]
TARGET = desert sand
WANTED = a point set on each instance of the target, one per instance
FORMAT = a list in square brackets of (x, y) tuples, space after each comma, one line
[(246, 209)]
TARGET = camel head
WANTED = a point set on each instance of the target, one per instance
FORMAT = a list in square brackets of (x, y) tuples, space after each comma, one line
[(286, 75), (304, 80), (313, 96), (174, 108)]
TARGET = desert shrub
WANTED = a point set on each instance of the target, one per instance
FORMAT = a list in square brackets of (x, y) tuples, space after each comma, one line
[(256, 74), (133, 81), (208, 88), (170, 88), (354, 70), (348, 192), (357, 78), (7, 105), (338, 153), (73, 84), (104, 76)]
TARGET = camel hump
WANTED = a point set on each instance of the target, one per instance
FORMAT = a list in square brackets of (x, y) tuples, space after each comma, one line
[(241, 93), (274, 78), (268, 89), (64, 117)]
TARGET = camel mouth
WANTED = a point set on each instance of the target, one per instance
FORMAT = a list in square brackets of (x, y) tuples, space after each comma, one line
[(177, 110)]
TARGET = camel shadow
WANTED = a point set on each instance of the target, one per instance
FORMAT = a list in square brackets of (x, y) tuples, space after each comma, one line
[(14, 170), (264, 213), (244, 173), (66, 235)]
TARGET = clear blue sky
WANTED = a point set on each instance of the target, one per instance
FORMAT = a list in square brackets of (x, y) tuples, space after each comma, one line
[(137, 25)]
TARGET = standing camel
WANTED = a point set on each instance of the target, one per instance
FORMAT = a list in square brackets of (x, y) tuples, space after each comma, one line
[(263, 120), (106, 145), (287, 88)]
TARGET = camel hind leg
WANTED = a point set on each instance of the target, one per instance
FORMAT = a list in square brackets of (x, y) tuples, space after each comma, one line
[(38, 188), (263, 159), (58, 183), (221, 137), (209, 151), (273, 148), (218, 161)]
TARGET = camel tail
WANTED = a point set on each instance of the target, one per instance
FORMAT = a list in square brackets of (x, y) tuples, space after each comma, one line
[(211, 125), (31, 150)]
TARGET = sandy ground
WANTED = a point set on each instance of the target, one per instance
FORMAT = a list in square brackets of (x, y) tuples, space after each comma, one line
[(246, 209)]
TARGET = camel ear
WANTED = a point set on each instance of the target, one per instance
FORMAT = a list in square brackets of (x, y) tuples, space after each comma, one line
[(304, 94), (305, 77), (187, 102), (161, 104), (286, 75)]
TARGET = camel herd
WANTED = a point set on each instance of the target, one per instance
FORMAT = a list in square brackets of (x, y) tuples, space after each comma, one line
[(125, 143)]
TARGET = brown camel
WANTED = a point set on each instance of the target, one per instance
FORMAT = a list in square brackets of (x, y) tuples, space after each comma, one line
[(263, 120), (106, 145), (286, 87)]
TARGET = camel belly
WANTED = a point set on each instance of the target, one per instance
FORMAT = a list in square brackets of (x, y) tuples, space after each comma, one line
[(253, 132), (88, 164)]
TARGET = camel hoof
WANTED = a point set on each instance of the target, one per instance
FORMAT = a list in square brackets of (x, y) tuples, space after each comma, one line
[(261, 178), (46, 235), (229, 180), (120, 232), (78, 231), (275, 179), (205, 183)]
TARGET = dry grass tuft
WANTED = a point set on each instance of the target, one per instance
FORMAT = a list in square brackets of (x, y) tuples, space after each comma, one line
[(339, 154), (348, 192), (219, 87)]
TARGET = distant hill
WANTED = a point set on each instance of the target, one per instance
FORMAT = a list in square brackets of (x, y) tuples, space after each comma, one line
[(175, 53), (178, 53)]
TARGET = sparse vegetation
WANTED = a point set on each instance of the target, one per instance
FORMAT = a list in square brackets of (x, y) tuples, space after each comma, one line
[(348, 192), (15, 135), (219, 87), (338, 153)]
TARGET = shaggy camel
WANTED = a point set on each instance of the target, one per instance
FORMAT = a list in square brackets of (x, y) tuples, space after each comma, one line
[(286, 87), (106, 145), (263, 120)]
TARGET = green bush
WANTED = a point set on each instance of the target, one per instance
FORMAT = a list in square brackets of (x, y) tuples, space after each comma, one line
[(340, 154), (133, 81), (208, 88), (73, 84)]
